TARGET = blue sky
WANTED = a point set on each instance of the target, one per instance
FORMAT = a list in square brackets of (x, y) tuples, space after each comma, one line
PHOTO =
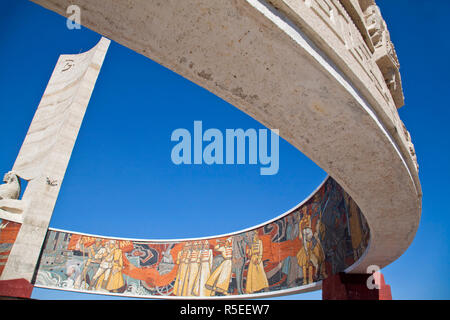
[(121, 181)]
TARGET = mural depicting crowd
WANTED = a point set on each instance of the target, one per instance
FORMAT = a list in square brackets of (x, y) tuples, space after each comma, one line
[(324, 236), (8, 234)]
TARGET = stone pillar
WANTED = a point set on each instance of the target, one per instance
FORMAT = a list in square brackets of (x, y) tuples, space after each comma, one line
[(347, 286), (45, 154)]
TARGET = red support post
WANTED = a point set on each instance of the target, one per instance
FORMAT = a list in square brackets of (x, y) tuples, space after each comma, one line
[(346, 286), (15, 289)]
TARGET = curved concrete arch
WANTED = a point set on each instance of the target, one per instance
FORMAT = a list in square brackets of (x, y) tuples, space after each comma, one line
[(281, 65), (323, 235)]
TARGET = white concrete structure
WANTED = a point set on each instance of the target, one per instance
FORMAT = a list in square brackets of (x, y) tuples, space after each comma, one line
[(322, 71)]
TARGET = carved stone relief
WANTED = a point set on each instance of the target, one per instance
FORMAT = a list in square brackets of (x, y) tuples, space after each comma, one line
[(9, 196)]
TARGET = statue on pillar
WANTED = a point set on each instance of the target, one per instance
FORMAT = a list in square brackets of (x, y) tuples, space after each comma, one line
[(9, 196), (11, 188)]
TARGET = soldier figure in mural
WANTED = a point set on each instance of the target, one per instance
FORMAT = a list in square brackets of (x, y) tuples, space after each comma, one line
[(356, 227), (240, 243), (100, 279), (185, 276), (206, 259), (194, 266), (92, 263), (256, 276), (290, 266), (116, 282), (183, 263), (219, 281), (319, 263), (179, 264), (311, 255)]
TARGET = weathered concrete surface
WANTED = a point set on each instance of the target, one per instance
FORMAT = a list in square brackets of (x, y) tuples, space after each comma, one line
[(275, 69), (45, 153)]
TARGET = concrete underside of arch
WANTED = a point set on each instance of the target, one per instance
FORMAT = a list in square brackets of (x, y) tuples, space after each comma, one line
[(250, 55)]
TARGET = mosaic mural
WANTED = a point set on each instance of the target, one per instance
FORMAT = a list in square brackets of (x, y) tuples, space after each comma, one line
[(323, 236), (8, 234)]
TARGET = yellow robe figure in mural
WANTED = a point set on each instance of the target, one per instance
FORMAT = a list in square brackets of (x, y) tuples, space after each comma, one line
[(185, 275), (219, 281), (176, 286), (303, 259), (256, 276), (192, 273), (105, 256), (309, 256), (92, 251), (206, 258), (355, 227), (116, 277), (318, 257), (182, 261)]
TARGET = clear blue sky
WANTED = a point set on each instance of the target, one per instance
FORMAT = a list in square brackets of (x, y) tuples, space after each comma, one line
[(121, 181)]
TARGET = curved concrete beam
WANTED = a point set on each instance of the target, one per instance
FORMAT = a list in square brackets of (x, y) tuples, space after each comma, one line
[(278, 66)]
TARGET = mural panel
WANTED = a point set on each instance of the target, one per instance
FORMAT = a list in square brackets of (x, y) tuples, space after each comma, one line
[(323, 236), (8, 234)]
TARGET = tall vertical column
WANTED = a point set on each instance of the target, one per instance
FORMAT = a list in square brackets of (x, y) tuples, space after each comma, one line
[(46, 151)]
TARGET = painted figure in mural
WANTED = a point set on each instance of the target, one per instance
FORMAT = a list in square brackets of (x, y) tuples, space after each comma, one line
[(318, 259), (356, 228), (320, 234), (183, 263), (256, 276), (240, 243), (219, 281), (206, 259), (185, 276), (92, 263), (311, 254), (179, 263), (290, 266), (115, 281), (166, 265), (335, 218), (73, 273), (194, 266), (101, 277)]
